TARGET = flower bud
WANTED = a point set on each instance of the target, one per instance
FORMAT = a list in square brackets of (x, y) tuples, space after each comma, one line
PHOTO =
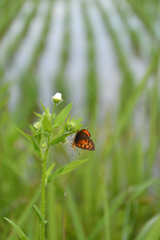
[(57, 98), (43, 146), (37, 125), (70, 126)]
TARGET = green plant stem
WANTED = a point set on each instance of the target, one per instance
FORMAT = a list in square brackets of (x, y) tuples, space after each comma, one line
[(42, 226)]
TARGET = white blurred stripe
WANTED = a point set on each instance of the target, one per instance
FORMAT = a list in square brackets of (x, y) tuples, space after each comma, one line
[(136, 63), (49, 62), (77, 65), (25, 52), (106, 66), (15, 29)]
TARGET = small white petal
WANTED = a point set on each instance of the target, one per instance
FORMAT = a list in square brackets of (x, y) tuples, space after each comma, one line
[(57, 96)]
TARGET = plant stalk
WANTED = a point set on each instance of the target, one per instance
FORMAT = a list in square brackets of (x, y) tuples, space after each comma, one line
[(44, 167)]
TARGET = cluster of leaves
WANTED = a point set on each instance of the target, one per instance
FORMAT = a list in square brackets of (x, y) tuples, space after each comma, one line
[(45, 126)]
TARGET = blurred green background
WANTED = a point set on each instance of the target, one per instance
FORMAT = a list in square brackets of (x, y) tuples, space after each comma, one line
[(104, 57)]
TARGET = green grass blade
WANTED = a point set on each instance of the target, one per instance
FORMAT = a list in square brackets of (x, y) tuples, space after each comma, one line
[(27, 211), (18, 230), (75, 215), (151, 230)]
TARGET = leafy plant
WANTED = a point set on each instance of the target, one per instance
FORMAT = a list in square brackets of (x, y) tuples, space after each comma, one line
[(42, 138)]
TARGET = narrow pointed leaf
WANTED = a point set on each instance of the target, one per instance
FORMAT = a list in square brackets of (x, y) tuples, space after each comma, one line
[(46, 124), (32, 129), (66, 169), (49, 170), (24, 134), (62, 115), (78, 120), (59, 138), (68, 118), (79, 126), (38, 115), (39, 214), (37, 149), (55, 126), (45, 110), (18, 230)]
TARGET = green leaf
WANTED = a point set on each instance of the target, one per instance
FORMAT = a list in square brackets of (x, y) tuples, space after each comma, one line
[(45, 110), (62, 115), (59, 138), (79, 126), (151, 230), (32, 129), (68, 118), (38, 115), (49, 170), (39, 214), (53, 116), (46, 124), (18, 230), (55, 126), (24, 134), (136, 191), (66, 169), (37, 149), (78, 121)]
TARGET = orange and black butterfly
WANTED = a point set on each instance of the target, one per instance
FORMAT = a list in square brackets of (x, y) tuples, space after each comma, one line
[(82, 140)]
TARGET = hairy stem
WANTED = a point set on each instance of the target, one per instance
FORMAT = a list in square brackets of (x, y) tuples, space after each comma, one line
[(44, 167)]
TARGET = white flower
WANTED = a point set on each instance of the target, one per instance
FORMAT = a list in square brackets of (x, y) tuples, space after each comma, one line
[(57, 98)]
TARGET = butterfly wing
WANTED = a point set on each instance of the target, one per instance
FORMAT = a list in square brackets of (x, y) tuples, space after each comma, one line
[(82, 140), (86, 144), (86, 132)]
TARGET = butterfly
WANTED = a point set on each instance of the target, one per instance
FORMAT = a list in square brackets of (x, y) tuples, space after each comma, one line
[(82, 140)]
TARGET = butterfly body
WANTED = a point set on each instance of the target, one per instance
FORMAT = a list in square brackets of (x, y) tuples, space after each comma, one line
[(82, 140)]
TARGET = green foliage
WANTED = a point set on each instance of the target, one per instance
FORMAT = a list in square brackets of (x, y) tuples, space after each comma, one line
[(59, 138), (151, 229), (24, 134), (18, 230), (66, 169), (46, 124), (39, 214), (62, 116), (49, 170)]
